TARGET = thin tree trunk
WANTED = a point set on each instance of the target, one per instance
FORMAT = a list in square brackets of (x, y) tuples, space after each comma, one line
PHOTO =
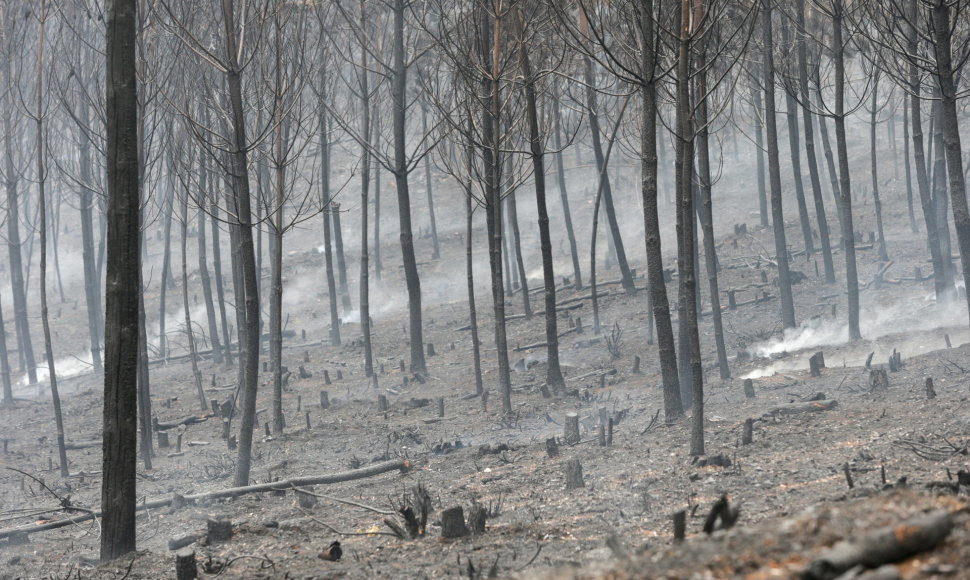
[(122, 286), (210, 311), (338, 238), (325, 202), (189, 334), (470, 276), (517, 247), (705, 209), (249, 335), (774, 174), (951, 133), (280, 136), (92, 282), (378, 265), (877, 202), (758, 111), (217, 270), (436, 251), (412, 279), (163, 286), (365, 130), (594, 126), (673, 408), (845, 187), (827, 150), (685, 231), (810, 151), (941, 200), (791, 115), (8, 400), (42, 207), (913, 226), (563, 194)]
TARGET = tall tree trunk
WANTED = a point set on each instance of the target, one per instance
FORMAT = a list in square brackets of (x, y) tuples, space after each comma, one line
[(436, 251), (14, 245), (927, 203), (401, 169), (279, 159), (189, 334), (537, 150), (217, 270), (845, 186), (774, 173), (378, 265), (943, 35), (470, 274), (92, 282), (169, 194), (705, 209), (757, 109), (673, 408), (563, 193), (249, 334), (325, 201), (365, 130), (791, 116), (592, 108), (210, 310), (687, 290), (42, 202), (940, 199), (338, 239), (913, 226), (877, 201), (491, 47), (827, 148), (517, 248), (810, 151), (122, 286)]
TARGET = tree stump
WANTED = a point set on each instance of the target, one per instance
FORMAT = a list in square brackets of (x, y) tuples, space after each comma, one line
[(163, 439), (306, 500), (306, 355), (226, 408), (930, 391), (571, 428), (636, 365), (400, 365), (185, 567), (441, 406), (477, 515), (816, 363), (381, 403), (431, 352), (324, 400), (552, 448), (732, 300), (340, 375), (601, 435), (609, 433), (747, 434), (946, 337), (878, 380), (574, 475), (326, 377), (304, 374), (680, 525), (453, 523), (219, 529), (749, 388), (231, 443)]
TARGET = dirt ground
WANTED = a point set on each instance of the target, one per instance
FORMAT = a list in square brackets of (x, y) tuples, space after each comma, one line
[(789, 483)]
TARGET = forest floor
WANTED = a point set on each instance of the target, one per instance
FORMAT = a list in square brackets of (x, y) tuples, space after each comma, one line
[(790, 482)]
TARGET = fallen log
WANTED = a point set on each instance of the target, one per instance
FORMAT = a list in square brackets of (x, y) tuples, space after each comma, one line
[(802, 407), (885, 546), (509, 318), (364, 472), (190, 420)]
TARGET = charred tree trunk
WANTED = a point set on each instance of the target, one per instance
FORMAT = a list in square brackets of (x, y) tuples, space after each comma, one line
[(757, 110), (673, 408), (8, 400), (436, 251), (810, 151), (940, 199), (411, 276), (378, 265), (365, 130), (594, 127), (122, 286), (845, 186), (943, 35), (217, 270), (470, 277), (325, 201), (338, 239), (687, 291), (210, 310), (913, 226), (563, 194), (927, 203), (517, 250), (189, 334), (92, 282), (249, 334), (705, 209), (169, 194), (877, 201), (774, 173), (794, 146)]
